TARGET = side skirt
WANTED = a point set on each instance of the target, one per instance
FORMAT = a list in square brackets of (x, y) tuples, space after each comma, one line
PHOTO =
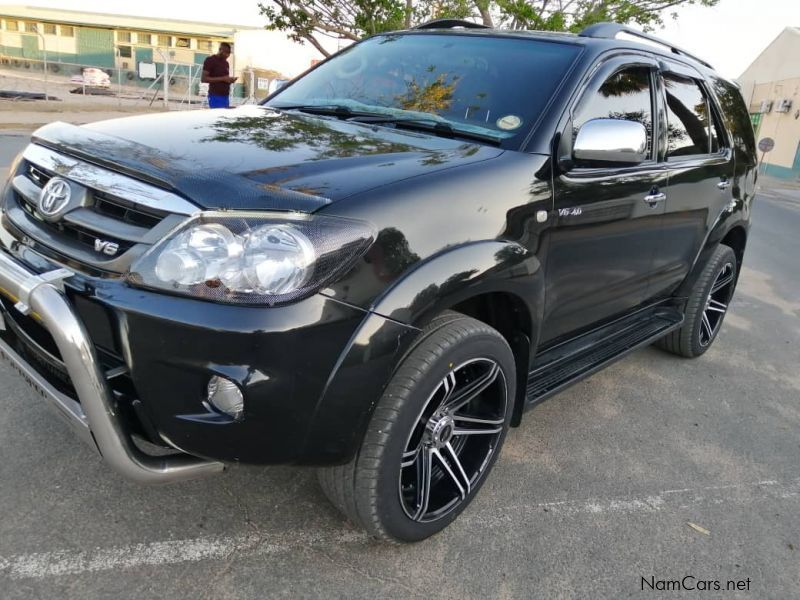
[(559, 367)]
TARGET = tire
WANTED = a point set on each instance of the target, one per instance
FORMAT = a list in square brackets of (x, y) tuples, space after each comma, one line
[(380, 488), (706, 307)]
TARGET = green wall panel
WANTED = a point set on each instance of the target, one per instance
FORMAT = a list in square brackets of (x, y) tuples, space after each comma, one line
[(781, 172), (95, 46), (199, 58), (144, 55), (30, 47)]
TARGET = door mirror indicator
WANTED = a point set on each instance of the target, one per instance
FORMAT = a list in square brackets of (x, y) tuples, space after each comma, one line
[(611, 141)]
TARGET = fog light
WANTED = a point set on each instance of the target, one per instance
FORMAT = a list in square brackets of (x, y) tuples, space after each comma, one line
[(226, 397)]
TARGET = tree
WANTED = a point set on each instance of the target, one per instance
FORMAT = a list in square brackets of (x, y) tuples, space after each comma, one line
[(575, 15), (313, 20)]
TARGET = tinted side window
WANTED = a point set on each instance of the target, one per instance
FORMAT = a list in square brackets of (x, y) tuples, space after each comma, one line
[(735, 116), (688, 123), (625, 95)]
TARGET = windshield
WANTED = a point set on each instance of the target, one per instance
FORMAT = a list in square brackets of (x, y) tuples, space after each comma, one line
[(491, 86)]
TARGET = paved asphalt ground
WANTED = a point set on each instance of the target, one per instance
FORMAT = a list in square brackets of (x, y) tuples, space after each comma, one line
[(591, 494)]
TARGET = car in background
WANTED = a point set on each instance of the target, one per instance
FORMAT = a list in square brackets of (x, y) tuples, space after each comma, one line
[(92, 77)]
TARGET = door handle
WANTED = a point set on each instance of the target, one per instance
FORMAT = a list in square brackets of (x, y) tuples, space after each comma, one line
[(654, 198), (723, 185)]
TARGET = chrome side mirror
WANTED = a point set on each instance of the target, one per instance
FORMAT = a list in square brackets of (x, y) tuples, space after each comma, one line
[(611, 140)]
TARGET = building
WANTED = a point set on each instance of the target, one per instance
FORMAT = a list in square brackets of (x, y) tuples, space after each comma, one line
[(75, 39), (771, 86)]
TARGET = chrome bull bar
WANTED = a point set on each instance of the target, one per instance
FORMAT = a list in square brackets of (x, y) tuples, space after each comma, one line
[(96, 418)]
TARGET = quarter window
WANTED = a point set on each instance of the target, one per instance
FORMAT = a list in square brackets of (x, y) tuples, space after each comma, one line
[(626, 95), (690, 128)]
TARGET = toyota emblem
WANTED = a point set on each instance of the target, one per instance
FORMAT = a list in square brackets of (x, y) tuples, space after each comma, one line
[(54, 197)]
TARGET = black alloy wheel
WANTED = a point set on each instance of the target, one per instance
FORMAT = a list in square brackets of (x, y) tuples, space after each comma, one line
[(706, 306), (717, 304), (457, 433), (434, 435)]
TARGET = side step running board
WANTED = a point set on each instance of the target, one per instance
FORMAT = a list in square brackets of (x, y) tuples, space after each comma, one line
[(554, 375)]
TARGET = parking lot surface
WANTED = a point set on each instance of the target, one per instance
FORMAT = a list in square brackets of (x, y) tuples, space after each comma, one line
[(594, 492)]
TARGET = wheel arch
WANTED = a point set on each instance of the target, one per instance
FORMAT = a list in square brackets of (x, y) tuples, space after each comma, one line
[(734, 236), (736, 239), (509, 315), (495, 281), (505, 291)]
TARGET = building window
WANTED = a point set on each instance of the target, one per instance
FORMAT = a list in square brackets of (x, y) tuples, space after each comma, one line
[(165, 41), (182, 42), (12, 25), (30, 27), (205, 45), (49, 28), (124, 37), (125, 51), (145, 39), (67, 31)]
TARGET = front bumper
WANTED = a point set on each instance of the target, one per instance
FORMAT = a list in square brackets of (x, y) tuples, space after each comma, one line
[(310, 371), (96, 417)]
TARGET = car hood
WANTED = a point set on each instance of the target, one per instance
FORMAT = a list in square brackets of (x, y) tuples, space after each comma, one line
[(255, 158)]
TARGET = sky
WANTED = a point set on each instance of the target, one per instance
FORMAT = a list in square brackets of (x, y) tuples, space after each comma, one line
[(729, 36)]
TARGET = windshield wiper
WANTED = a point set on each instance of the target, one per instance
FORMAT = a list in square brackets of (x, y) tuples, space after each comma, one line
[(333, 110), (431, 125)]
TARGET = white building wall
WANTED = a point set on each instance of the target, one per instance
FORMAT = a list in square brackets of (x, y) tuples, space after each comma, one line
[(779, 61), (262, 49)]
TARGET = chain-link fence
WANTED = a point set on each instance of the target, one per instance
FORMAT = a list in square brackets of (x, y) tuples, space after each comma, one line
[(170, 85)]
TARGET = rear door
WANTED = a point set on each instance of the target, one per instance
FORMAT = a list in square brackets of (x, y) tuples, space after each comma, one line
[(700, 168), (607, 218)]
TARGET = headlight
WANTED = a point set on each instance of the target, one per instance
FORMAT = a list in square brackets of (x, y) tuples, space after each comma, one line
[(252, 258)]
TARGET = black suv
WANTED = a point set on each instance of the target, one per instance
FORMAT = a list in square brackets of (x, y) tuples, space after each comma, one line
[(382, 267)]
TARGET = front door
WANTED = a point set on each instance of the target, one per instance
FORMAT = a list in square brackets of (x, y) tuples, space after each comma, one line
[(607, 217)]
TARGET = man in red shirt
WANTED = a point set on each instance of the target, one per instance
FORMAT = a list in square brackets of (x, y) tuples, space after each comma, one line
[(216, 73)]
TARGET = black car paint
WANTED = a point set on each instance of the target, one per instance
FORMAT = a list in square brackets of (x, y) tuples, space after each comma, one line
[(256, 158), (456, 220)]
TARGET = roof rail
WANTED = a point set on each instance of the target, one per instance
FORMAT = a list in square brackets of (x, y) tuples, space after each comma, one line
[(451, 24), (610, 31)]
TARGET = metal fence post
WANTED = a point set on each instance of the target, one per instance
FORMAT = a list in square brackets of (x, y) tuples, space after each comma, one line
[(119, 76), (166, 80), (44, 54)]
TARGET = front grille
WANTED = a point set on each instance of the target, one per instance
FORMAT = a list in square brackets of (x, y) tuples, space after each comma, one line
[(73, 232), (37, 175), (110, 219), (118, 208), (105, 204)]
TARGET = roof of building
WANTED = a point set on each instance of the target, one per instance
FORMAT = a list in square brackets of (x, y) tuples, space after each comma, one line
[(76, 17), (790, 36)]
